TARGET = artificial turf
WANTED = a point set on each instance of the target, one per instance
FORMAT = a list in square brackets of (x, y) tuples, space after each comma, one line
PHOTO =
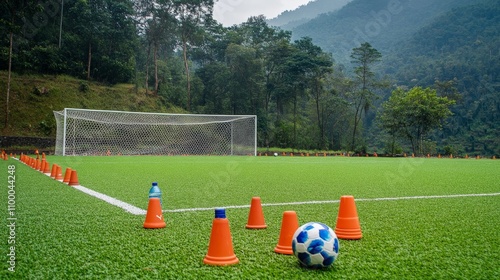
[(62, 233)]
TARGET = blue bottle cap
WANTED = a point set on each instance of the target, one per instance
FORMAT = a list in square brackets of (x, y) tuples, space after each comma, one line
[(155, 190), (220, 213)]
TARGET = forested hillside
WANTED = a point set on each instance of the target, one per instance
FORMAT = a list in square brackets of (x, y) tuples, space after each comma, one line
[(383, 23), (326, 85), (290, 19), (460, 47), (36, 96)]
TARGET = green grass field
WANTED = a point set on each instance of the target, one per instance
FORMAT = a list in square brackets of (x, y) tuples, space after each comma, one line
[(63, 233)]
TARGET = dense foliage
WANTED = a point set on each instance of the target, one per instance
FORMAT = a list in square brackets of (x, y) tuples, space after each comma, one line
[(306, 91), (412, 114), (459, 53)]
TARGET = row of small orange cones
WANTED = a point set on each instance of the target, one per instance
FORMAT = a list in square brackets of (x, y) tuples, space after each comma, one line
[(4, 155), (41, 164), (220, 248)]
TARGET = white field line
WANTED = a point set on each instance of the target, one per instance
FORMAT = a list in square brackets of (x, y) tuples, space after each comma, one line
[(113, 201), (337, 201), (138, 211)]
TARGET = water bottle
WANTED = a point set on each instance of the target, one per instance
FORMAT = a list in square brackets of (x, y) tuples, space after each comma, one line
[(155, 192)]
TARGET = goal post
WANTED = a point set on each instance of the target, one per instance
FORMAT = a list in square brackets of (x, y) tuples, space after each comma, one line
[(102, 132)]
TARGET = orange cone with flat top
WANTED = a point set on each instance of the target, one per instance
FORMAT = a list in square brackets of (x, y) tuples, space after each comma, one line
[(67, 175), (154, 216), (256, 215), (73, 179), (289, 224), (347, 220), (220, 248)]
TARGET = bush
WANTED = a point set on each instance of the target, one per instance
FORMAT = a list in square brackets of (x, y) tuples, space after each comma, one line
[(83, 87)]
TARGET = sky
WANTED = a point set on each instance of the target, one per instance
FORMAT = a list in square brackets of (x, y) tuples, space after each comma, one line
[(229, 12)]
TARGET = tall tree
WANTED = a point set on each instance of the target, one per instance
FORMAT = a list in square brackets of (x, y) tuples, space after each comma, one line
[(362, 96), (191, 15), (246, 74), (12, 23), (160, 34), (105, 32), (275, 85)]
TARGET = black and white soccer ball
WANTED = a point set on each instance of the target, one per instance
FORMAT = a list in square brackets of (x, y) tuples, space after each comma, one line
[(315, 245)]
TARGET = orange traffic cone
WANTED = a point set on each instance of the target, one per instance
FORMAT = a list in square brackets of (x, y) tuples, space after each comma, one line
[(46, 169), (220, 248), (256, 215), (42, 166), (154, 216), (347, 220), (59, 176), (289, 224), (67, 175), (53, 171), (73, 179)]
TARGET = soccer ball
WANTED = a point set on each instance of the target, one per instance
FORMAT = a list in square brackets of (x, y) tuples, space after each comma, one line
[(315, 245), (275, 154)]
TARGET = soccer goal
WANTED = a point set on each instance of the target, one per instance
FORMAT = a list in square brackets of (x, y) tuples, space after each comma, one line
[(100, 132)]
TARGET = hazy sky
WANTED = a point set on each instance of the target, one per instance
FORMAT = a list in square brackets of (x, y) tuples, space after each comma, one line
[(229, 12)]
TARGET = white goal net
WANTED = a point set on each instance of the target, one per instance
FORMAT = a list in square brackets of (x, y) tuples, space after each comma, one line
[(99, 132)]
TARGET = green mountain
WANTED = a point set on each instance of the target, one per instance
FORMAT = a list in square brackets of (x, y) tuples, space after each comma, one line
[(383, 23), (289, 19)]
